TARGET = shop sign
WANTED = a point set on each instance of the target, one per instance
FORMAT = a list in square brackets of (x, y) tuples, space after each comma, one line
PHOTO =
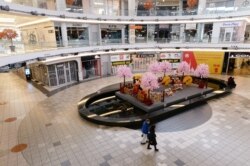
[(168, 3), (231, 24), (61, 65), (191, 26), (121, 57), (135, 27), (120, 63), (240, 55), (170, 55)]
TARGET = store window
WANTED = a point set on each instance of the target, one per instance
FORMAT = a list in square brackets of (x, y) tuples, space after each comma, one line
[(111, 34), (74, 6), (239, 63), (146, 8), (162, 33), (45, 4), (220, 6), (207, 33), (167, 8), (62, 73), (78, 36), (190, 32), (91, 67), (58, 34), (141, 61), (229, 34), (140, 33)]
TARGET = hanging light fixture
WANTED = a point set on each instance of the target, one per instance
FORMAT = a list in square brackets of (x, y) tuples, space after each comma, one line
[(148, 5), (192, 3)]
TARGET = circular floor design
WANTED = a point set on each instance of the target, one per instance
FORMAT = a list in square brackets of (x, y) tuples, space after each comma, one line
[(18, 148), (186, 120), (10, 119), (3, 103)]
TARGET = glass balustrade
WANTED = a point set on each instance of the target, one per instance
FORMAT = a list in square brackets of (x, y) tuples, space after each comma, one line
[(21, 47), (117, 10)]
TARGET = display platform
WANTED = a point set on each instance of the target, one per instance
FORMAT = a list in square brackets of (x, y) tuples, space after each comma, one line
[(188, 92), (109, 106)]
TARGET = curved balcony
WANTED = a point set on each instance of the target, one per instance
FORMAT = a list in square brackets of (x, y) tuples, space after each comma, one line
[(114, 14), (30, 52)]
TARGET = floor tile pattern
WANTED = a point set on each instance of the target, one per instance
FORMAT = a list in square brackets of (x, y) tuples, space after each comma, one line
[(218, 135)]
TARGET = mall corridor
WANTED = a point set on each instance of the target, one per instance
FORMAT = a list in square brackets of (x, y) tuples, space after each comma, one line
[(49, 130)]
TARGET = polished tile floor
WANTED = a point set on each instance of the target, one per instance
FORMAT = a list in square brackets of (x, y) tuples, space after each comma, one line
[(39, 130)]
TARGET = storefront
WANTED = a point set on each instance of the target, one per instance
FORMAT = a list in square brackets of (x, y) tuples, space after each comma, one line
[(77, 34), (55, 74), (111, 34), (141, 61), (231, 31), (239, 63), (117, 60), (91, 67), (190, 32), (74, 6), (173, 57)]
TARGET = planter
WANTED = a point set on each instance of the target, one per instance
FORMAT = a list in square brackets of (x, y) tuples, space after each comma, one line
[(12, 48)]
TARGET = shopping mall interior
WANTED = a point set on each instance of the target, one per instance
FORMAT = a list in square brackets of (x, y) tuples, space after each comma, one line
[(62, 98)]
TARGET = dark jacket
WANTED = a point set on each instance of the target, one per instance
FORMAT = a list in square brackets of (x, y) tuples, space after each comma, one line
[(152, 138)]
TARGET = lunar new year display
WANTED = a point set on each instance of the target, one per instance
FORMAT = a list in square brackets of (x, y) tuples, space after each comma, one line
[(149, 95)]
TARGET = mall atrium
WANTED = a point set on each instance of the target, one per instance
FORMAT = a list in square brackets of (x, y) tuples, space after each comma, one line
[(56, 55)]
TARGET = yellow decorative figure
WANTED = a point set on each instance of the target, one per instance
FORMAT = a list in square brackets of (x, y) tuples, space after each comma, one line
[(187, 80), (166, 80), (137, 76)]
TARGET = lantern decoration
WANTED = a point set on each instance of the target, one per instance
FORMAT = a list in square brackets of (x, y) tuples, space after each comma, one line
[(69, 2), (192, 3), (148, 4)]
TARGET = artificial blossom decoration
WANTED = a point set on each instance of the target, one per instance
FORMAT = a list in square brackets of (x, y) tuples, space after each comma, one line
[(154, 67), (165, 67), (149, 81), (124, 71), (183, 68), (202, 71), (9, 34)]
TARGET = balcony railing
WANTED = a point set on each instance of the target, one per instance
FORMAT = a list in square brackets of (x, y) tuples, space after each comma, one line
[(21, 47), (116, 11)]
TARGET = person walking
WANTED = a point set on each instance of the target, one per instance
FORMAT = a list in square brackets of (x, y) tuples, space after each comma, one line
[(152, 138), (145, 129)]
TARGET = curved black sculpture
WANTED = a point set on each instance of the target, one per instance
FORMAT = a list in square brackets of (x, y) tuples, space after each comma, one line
[(110, 107)]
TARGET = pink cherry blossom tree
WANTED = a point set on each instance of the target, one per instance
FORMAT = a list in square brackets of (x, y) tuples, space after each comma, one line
[(124, 71), (202, 71), (165, 67), (149, 81), (154, 67), (184, 68)]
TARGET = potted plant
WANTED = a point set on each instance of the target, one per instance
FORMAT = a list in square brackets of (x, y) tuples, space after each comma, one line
[(9, 34)]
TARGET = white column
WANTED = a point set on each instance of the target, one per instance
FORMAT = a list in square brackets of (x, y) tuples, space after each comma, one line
[(79, 64), (60, 5), (86, 6), (182, 34), (131, 7), (200, 26), (123, 34), (64, 34), (34, 3), (201, 7), (180, 7)]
